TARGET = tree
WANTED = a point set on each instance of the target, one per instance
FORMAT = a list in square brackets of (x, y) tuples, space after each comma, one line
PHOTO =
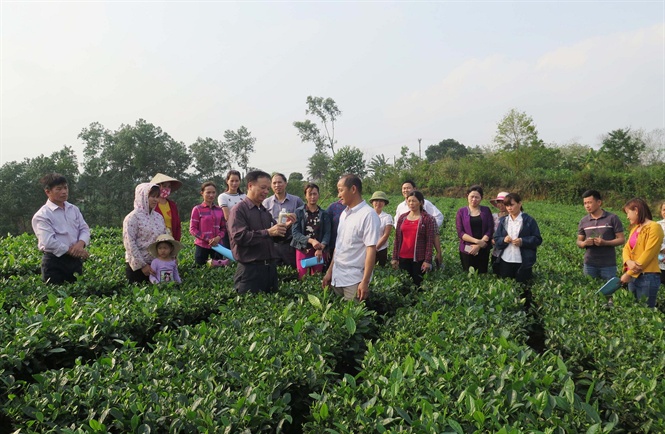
[(211, 158), (318, 166), (446, 148), (515, 130), (380, 168), (621, 149), (240, 145), (295, 184), (326, 112), (346, 160), (22, 195), (654, 142), (116, 161)]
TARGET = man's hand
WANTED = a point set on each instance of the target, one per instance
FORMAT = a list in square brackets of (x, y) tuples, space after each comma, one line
[(425, 267), (394, 263), (277, 230), (77, 250), (363, 290), (588, 242), (598, 241), (326, 279)]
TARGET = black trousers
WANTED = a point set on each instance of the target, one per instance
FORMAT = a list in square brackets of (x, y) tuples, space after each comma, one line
[(382, 257), (58, 270), (135, 276), (259, 276), (479, 262), (201, 255), (413, 268)]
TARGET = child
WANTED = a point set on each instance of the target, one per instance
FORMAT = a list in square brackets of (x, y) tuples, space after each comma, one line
[(164, 250)]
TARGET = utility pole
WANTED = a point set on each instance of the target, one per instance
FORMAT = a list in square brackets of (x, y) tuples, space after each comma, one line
[(419, 154)]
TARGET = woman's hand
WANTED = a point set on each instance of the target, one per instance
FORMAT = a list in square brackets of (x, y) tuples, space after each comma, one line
[(147, 271), (517, 242), (482, 243), (507, 239), (318, 253), (316, 244), (475, 248), (214, 241), (633, 266), (626, 278)]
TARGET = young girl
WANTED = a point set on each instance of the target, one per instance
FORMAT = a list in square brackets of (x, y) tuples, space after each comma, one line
[(208, 226), (165, 250)]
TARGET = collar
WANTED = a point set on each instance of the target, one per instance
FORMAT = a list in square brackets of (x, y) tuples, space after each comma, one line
[(604, 214), (355, 208), (53, 206)]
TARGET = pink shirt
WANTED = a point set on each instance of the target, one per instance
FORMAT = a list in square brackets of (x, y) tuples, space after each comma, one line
[(207, 222)]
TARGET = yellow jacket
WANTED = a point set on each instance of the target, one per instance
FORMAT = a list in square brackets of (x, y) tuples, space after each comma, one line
[(646, 249)]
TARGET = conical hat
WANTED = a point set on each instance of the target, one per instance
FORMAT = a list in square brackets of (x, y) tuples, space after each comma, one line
[(160, 177)]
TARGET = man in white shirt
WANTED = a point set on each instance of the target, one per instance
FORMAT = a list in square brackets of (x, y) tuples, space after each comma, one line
[(352, 265), (62, 233), (432, 210)]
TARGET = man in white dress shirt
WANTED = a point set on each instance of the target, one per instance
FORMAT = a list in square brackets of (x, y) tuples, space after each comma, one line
[(62, 233), (350, 271)]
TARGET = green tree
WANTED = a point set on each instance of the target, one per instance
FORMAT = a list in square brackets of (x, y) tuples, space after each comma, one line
[(380, 168), (211, 159), (318, 166), (516, 130), (22, 195), (296, 184), (116, 161), (517, 139), (450, 148), (240, 145), (346, 160), (326, 113), (621, 149)]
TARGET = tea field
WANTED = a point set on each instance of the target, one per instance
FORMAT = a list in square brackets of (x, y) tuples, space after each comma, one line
[(460, 355)]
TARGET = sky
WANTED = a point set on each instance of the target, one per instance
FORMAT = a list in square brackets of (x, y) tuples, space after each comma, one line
[(398, 71)]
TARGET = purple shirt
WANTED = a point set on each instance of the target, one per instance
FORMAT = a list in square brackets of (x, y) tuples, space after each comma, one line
[(248, 232), (463, 223)]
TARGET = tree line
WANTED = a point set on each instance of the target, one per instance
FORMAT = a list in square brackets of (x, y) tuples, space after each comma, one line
[(628, 163)]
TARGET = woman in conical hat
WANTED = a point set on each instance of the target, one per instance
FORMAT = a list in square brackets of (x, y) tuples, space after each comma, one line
[(167, 207)]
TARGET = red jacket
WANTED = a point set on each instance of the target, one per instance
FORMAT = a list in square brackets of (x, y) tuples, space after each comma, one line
[(424, 237), (175, 219)]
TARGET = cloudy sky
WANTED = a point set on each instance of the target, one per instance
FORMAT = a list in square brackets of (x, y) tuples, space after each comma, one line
[(399, 71)]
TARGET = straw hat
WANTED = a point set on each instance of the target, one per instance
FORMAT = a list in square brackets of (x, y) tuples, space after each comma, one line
[(499, 198), (160, 177), (379, 195), (152, 248)]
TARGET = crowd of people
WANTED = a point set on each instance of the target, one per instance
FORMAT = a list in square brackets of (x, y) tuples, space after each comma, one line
[(344, 242)]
